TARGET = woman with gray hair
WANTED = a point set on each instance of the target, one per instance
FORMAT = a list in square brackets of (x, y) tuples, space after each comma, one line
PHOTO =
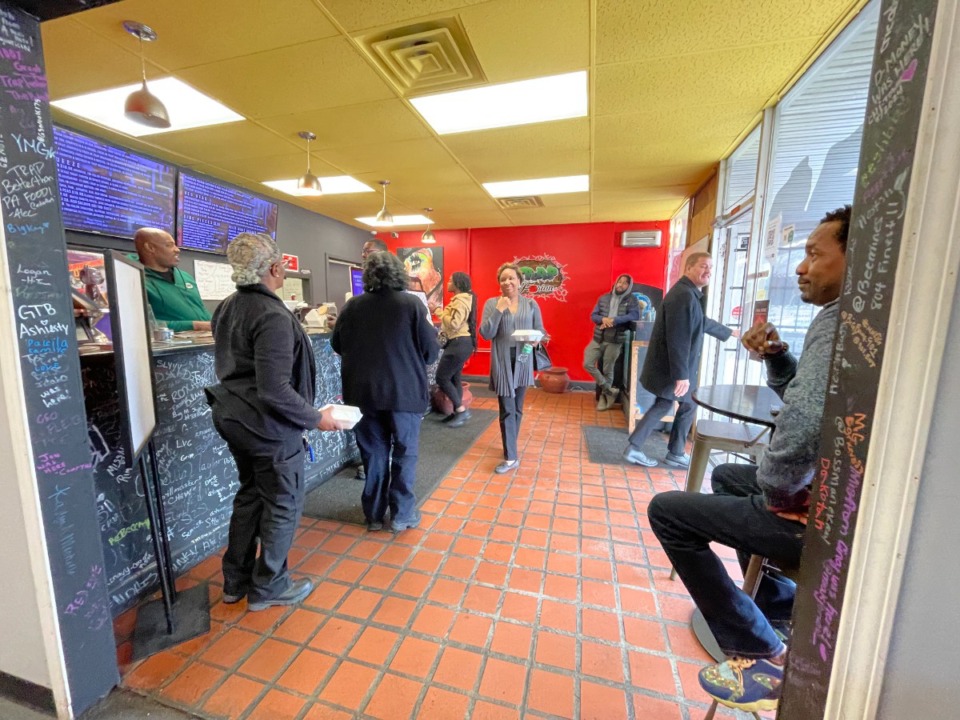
[(511, 369), (261, 407), (386, 342)]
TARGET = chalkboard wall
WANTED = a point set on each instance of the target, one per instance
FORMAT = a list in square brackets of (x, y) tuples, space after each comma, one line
[(893, 114), (197, 472)]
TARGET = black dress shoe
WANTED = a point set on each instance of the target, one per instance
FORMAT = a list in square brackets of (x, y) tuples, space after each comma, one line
[(297, 592), (449, 418), (460, 419)]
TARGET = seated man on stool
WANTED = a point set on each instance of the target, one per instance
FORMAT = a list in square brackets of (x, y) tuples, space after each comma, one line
[(761, 510)]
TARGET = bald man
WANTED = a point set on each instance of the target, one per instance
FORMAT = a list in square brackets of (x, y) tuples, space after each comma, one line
[(172, 293)]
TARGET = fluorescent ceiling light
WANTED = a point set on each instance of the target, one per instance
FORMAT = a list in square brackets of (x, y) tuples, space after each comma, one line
[(397, 220), (538, 186), (517, 103), (188, 108), (339, 185)]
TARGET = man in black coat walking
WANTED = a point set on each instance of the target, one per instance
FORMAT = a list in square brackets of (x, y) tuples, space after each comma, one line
[(673, 360)]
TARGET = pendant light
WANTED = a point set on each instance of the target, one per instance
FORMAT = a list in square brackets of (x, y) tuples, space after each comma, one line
[(384, 217), (428, 238), (142, 106), (308, 184)]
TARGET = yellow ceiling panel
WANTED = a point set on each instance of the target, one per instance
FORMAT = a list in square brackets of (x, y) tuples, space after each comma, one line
[(520, 39), (375, 122), (549, 216), (197, 33), (646, 29), (79, 60), (242, 139), (277, 167), (565, 200), (664, 123), (473, 219), (421, 153), (748, 76), (357, 15), (646, 175), (322, 74), (637, 210)]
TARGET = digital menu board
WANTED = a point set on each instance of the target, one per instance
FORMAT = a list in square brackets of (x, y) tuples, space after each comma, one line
[(210, 214), (109, 190)]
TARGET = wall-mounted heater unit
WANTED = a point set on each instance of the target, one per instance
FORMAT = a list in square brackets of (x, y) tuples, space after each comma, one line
[(640, 238)]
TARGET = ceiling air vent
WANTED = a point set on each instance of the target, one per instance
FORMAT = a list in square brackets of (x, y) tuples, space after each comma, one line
[(520, 203), (427, 57), (640, 238)]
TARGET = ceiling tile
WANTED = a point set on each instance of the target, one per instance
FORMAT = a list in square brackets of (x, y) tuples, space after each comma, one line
[(647, 29), (637, 210), (357, 15), (79, 60), (277, 167), (223, 142), (421, 153), (375, 122), (550, 216), (644, 176), (322, 74)]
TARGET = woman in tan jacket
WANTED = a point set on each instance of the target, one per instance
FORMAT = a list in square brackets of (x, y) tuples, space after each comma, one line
[(459, 323)]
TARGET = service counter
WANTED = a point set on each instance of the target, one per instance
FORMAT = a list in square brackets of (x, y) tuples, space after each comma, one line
[(197, 472)]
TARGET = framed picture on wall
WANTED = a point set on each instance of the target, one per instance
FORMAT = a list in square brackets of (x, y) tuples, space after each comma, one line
[(425, 267)]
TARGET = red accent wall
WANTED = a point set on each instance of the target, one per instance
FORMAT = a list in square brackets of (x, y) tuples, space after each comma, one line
[(592, 260)]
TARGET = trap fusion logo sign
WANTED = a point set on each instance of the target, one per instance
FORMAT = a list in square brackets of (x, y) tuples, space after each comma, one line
[(542, 276)]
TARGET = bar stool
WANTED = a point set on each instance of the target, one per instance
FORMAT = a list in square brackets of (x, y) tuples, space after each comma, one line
[(712, 435), (756, 569)]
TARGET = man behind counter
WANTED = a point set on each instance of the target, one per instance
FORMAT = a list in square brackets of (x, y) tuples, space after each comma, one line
[(172, 293)]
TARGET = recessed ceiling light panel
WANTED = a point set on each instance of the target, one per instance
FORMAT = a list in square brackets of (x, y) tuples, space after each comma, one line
[(339, 185), (397, 221), (539, 186), (188, 108), (557, 97)]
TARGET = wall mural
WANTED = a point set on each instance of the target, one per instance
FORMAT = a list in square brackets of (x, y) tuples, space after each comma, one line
[(425, 267), (542, 276)]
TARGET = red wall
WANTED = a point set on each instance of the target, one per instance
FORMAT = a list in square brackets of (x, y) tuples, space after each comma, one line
[(592, 257)]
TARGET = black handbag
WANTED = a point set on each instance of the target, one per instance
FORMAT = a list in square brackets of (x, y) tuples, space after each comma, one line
[(541, 358)]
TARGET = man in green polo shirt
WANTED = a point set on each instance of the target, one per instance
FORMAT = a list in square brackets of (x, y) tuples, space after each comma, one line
[(172, 293)]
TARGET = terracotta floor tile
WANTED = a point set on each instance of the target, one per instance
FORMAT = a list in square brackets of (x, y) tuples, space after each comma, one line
[(689, 682), (491, 574), (415, 657), (277, 705), (597, 569), (373, 646), (155, 670), (380, 577), (483, 710), (512, 639), (458, 668), (559, 586), (439, 704), (360, 603), (394, 698), (640, 602), (268, 660), (396, 555), (264, 621), (326, 596), (557, 650), (230, 647), (601, 661), (526, 580), (644, 634), (601, 624), (684, 644), (459, 567), (561, 564), (551, 693), (193, 683), (503, 681), (299, 626), (633, 575), (603, 594), (348, 685), (413, 584), (348, 571), (306, 672), (433, 620), (469, 547), (441, 542), (651, 672), (336, 636), (395, 611), (530, 558), (426, 561), (558, 616), (319, 711), (650, 708), (447, 592), (471, 630), (498, 552), (233, 697), (598, 702), (482, 599), (519, 607)]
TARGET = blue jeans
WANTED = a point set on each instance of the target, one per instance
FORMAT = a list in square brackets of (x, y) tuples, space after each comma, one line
[(686, 523), (390, 482)]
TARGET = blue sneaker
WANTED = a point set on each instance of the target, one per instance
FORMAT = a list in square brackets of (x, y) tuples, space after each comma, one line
[(748, 684)]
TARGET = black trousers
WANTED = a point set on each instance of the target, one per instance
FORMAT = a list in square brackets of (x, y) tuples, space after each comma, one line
[(455, 355), (682, 422), (511, 414), (389, 443), (267, 505)]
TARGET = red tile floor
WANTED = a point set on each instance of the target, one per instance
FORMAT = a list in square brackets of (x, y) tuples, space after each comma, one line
[(537, 594)]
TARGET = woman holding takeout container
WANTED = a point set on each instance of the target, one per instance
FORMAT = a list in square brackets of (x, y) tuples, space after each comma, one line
[(513, 325)]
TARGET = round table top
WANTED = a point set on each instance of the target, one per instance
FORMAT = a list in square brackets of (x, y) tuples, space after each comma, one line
[(750, 403)]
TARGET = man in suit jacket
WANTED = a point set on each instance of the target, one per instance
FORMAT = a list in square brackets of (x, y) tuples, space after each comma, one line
[(673, 360), (386, 342)]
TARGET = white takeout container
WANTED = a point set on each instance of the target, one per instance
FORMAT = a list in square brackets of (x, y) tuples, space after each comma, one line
[(530, 336), (346, 415)]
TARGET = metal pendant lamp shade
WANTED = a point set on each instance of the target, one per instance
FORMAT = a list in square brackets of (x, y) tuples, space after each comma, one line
[(142, 106), (309, 183), (428, 238), (384, 217)]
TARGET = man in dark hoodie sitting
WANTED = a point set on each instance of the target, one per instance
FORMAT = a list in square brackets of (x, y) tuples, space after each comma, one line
[(615, 312)]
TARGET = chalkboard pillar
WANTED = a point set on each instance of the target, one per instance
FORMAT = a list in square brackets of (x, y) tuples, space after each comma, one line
[(41, 369), (894, 110)]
